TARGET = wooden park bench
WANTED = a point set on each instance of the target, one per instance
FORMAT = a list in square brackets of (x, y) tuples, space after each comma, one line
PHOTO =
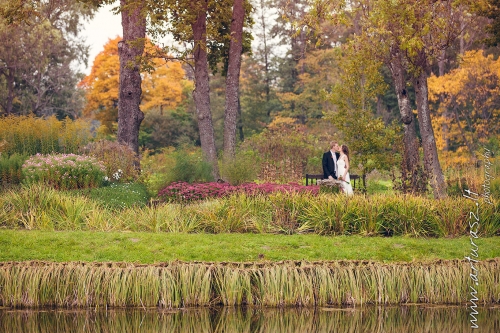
[(314, 179)]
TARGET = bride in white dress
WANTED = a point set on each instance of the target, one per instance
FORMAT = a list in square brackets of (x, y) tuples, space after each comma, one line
[(343, 169)]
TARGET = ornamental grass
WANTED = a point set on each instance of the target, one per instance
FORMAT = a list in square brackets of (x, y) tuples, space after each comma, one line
[(43, 208), (280, 284)]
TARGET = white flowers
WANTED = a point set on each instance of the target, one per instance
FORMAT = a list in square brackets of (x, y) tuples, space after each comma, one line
[(117, 175)]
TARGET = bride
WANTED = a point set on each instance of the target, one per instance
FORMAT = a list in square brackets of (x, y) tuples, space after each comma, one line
[(343, 169)]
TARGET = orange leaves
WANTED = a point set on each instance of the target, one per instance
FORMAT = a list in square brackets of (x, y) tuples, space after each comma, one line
[(467, 102), (162, 88)]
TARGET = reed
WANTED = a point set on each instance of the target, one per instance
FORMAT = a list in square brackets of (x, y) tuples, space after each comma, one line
[(282, 284)]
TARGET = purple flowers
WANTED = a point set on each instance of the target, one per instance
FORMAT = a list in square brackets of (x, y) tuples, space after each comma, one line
[(185, 192)]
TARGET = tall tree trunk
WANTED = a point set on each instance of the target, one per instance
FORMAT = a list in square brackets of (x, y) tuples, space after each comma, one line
[(10, 98), (240, 121), (431, 161), (441, 64), (267, 88), (411, 156), (233, 79), (132, 46), (201, 92)]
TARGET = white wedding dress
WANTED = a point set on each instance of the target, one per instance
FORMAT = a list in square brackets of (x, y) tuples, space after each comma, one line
[(346, 183)]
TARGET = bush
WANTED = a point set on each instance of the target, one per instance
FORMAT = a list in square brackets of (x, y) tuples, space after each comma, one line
[(190, 167), (11, 169), (155, 167), (243, 168), (184, 192), (119, 160), (170, 166), (63, 171), (28, 135), (285, 149)]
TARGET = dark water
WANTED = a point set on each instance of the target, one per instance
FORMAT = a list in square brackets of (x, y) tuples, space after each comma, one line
[(414, 319)]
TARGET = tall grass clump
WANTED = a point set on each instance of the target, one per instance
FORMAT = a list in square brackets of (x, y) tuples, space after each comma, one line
[(125, 207), (63, 171), (29, 135), (44, 208), (281, 284), (11, 168)]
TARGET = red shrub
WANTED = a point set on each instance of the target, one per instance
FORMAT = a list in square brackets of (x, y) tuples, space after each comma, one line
[(185, 192)]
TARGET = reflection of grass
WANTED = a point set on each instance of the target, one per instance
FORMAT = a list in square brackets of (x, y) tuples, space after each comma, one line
[(157, 247), (245, 320)]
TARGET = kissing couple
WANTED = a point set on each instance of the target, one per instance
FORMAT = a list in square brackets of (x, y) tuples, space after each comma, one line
[(336, 166)]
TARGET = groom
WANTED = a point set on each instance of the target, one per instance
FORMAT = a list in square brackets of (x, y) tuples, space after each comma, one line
[(330, 159)]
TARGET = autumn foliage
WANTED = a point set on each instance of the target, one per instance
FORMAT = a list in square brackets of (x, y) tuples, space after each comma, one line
[(467, 105), (162, 88)]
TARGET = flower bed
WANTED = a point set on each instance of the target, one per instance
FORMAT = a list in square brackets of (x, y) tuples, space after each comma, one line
[(185, 192), (64, 171)]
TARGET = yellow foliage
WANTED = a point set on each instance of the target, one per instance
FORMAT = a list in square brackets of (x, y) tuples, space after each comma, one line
[(280, 122), (466, 105), (162, 88), (30, 135)]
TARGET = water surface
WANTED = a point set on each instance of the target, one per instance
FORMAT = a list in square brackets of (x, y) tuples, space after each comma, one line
[(414, 319)]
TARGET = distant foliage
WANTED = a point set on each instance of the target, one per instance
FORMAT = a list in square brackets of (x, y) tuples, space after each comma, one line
[(185, 192), (466, 106), (119, 160), (163, 88), (11, 169), (63, 171), (29, 135)]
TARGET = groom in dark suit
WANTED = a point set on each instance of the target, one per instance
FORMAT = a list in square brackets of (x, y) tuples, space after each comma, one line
[(330, 159)]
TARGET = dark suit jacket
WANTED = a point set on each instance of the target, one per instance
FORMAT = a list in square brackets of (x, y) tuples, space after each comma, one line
[(329, 165)]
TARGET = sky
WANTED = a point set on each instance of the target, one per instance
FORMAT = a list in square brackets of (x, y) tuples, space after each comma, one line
[(104, 26)]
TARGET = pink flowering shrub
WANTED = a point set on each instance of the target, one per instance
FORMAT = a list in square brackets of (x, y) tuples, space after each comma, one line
[(64, 171), (184, 192)]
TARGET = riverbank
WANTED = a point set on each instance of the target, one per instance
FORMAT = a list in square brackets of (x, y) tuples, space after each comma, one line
[(269, 284)]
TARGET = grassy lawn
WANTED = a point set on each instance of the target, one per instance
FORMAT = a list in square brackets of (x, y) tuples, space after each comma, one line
[(159, 247)]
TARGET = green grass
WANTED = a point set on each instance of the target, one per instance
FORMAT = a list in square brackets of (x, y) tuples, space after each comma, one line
[(118, 195), (148, 248), (379, 186)]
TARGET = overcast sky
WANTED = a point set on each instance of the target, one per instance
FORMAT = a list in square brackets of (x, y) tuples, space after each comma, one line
[(97, 32)]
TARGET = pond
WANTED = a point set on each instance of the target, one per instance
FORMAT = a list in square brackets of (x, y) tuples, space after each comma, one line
[(413, 318)]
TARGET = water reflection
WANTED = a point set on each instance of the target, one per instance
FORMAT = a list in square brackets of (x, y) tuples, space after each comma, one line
[(413, 319)]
